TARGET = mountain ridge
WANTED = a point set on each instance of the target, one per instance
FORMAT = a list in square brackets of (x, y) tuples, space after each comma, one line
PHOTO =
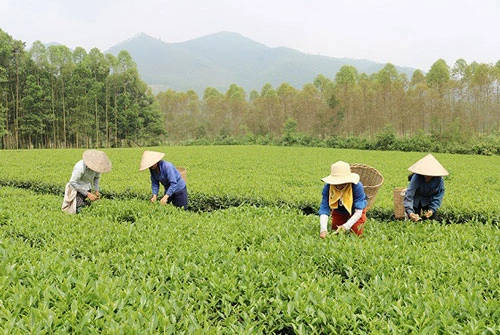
[(224, 58)]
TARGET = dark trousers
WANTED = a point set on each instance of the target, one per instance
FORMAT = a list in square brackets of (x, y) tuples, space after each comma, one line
[(179, 198), (81, 201)]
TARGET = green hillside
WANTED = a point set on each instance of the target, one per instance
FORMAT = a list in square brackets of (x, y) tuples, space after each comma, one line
[(225, 58)]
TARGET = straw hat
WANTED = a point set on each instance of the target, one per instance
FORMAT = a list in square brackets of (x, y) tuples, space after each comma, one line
[(149, 158), (341, 174), (96, 160), (428, 166)]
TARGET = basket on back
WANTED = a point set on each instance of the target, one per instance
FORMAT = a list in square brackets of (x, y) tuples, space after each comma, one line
[(183, 172), (371, 178)]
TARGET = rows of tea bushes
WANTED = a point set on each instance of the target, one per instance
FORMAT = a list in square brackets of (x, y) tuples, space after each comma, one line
[(131, 267), (226, 176)]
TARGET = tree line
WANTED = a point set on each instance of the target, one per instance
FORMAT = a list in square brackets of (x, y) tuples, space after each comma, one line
[(456, 103), (52, 97)]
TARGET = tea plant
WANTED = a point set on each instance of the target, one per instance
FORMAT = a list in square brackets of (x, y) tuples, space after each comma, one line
[(225, 176), (126, 266)]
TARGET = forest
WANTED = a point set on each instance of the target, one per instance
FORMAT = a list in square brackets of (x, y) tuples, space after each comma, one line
[(54, 97)]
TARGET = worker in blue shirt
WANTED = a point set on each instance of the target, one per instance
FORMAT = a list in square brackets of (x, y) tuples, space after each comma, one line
[(165, 173), (425, 191)]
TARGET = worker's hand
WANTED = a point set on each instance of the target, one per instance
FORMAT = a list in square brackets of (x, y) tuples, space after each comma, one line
[(92, 196), (428, 213), (340, 230), (163, 200), (414, 217), (323, 234), (98, 195), (153, 198)]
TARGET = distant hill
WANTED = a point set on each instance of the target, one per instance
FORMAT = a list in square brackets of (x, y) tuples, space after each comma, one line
[(221, 59)]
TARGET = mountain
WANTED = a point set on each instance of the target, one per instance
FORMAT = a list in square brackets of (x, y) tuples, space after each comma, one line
[(221, 59)]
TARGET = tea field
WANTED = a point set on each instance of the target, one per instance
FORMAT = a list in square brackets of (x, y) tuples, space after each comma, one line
[(247, 258)]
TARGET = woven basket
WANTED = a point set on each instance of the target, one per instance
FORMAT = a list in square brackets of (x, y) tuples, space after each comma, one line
[(399, 208), (371, 179), (183, 173)]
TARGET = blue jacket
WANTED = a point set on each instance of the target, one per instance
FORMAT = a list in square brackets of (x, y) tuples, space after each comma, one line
[(420, 193), (358, 200), (168, 176)]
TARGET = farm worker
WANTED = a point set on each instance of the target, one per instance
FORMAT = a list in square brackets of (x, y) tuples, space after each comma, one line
[(165, 173), (85, 176), (344, 198), (425, 192)]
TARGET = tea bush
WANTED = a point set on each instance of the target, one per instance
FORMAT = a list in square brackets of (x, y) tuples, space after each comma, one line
[(225, 176), (129, 266)]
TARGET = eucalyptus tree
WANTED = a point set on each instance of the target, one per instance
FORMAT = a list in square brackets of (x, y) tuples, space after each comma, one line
[(5, 56), (168, 104), (345, 87), (496, 83), (417, 96), (254, 95), (14, 63), (309, 107), (367, 104), (126, 72), (33, 120), (190, 122), (460, 100), (236, 106), (287, 95), (151, 130), (38, 54), (61, 65), (99, 71), (15, 58), (133, 96), (254, 119), (43, 78), (388, 88), (438, 80), (213, 109), (482, 90), (197, 124), (180, 111), (461, 72), (80, 120), (269, 103), (326, 117), (438, 76), (112, 92)]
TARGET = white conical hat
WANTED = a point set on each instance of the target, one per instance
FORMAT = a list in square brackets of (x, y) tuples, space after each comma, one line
[(96, 160), (428, 166), (149, 158)]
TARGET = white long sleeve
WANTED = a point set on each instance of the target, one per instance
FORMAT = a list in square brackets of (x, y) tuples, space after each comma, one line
[(83, 178), (323, 223), (353, 219)]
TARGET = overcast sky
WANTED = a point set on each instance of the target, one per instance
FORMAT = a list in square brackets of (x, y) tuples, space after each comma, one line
[(413, 33)]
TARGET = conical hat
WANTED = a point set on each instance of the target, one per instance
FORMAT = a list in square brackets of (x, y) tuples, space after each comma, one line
[(149, 158), (428, 166), (96, 160)]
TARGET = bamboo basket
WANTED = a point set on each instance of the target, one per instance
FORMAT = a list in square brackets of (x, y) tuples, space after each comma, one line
[(183, 173), (399, 208), (371, 178)]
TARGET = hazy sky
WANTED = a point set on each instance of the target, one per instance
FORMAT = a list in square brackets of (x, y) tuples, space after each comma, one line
[(413, 33)]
